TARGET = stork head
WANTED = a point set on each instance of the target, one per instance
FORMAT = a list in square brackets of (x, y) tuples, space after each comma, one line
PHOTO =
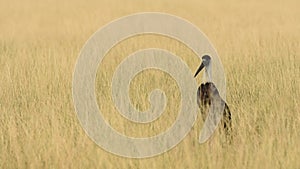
[(205, 62)]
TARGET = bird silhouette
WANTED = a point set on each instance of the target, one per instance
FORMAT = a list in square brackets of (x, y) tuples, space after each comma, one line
[(208, 96)]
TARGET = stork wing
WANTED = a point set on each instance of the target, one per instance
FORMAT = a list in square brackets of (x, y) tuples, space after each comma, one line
[(199, 95), (213, 118)]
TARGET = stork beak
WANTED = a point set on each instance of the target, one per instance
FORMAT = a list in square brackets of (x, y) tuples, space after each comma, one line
[(199, 69)]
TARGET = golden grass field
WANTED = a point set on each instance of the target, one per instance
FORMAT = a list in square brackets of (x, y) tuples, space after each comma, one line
[(258, 43)]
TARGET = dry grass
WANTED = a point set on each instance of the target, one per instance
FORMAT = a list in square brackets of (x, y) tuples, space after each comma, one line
[(259, 45)]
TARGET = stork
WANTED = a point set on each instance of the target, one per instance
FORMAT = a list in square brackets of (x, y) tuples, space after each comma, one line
[(208, 94)]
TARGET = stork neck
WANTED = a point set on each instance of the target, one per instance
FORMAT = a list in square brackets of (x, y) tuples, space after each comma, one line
[(208, 73)]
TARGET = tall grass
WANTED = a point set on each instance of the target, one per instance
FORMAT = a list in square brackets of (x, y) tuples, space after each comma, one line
[(258, 43)]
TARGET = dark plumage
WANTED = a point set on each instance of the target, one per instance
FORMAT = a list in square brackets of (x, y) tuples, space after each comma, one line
[(208, 93)]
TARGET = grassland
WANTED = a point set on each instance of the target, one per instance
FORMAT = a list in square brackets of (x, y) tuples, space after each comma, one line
[(258, 43)]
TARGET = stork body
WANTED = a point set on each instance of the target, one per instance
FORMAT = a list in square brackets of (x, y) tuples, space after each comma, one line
[(207, 94)]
